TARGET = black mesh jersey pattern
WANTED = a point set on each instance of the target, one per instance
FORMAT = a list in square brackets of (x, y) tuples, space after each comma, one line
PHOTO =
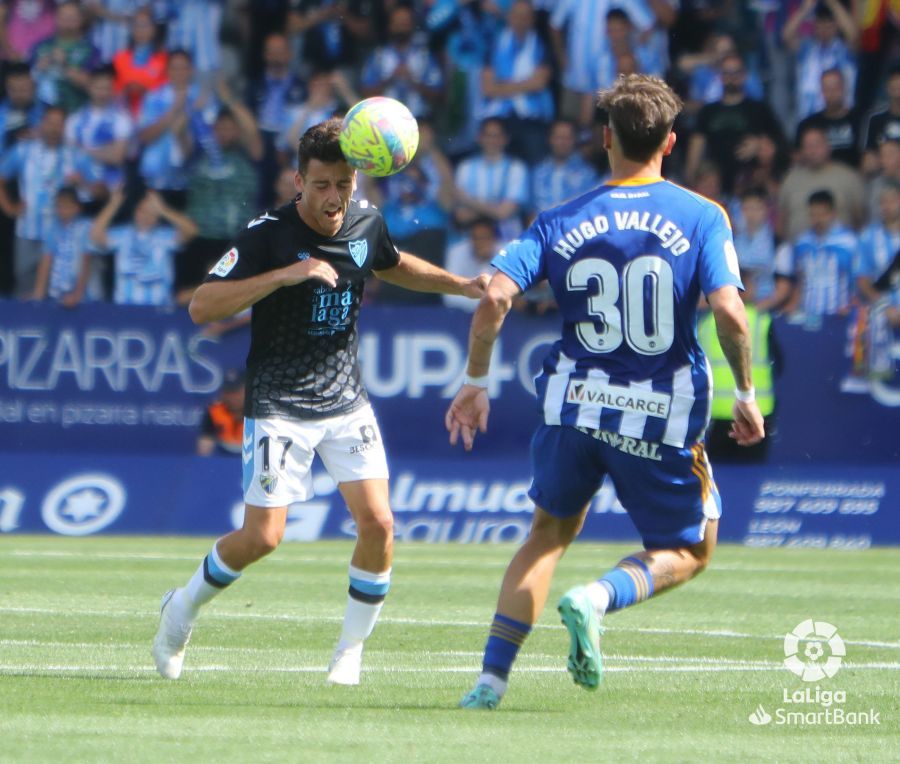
[(303, 362)]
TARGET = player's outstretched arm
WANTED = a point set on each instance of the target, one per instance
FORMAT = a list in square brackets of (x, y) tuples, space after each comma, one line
[(421, 276), (734, 337), (470, 408), (215, 300)]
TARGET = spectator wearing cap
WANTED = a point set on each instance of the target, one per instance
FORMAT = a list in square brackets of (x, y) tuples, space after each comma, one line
[(831, 45), (839, 121), (222, 428)]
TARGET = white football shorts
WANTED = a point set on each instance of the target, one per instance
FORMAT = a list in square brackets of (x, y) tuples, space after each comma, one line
[(278, 455)]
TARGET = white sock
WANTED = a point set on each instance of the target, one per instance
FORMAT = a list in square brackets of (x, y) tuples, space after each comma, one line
[(493, 681), (598, 594), (360, 616), (199, 590)]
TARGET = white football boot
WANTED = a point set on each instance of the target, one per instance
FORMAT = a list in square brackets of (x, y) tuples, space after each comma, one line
[(345, 665), (170, 641)]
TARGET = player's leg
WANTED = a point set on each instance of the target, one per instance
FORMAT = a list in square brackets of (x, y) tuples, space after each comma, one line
[(523, 595), (675, 506), (567, 473), (277, 456), (354, 456)]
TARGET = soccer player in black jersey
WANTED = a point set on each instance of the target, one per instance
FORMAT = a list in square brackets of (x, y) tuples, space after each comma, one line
[(302, 267)]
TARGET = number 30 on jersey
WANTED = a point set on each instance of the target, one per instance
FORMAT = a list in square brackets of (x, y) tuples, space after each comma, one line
[(647, 319)]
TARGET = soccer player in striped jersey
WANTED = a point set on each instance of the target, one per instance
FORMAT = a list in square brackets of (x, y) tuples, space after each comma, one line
[(625, 391)]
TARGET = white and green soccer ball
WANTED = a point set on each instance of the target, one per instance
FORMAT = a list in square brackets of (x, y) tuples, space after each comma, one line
[(379, 136)]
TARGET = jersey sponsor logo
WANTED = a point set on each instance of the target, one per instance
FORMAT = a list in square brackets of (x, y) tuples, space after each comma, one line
[(331, 307), (645, 449), (260, 220), (226, 263), (359, 250), (594, 392)]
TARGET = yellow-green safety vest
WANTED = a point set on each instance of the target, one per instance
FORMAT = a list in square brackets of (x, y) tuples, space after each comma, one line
[(723, 379)]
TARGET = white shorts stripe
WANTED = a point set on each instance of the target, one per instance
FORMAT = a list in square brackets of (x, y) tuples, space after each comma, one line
[(680, 411)]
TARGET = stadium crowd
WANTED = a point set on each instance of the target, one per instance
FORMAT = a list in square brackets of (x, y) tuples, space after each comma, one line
[(138, 136)]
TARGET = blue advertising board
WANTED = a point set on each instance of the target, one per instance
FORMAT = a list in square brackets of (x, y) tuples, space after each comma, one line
[(463, 500), (124, 379)]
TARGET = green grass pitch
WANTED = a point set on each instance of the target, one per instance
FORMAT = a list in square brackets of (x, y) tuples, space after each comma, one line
[(683, 672)]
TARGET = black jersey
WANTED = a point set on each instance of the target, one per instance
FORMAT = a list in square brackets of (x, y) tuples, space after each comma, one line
[(302, 362)]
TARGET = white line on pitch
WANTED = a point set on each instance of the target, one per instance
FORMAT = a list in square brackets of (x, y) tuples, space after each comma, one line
[(724, 633)]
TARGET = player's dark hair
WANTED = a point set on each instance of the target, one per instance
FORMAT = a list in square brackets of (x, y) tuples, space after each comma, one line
[(618, 14), (68, 192), (641, 110), (822, 12), (823, 196), (320, 142), (104, 70), (17, 69), (835, 71), (755, 192)]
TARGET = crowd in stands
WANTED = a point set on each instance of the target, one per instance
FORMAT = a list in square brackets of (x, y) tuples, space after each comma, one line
[(138, 136)]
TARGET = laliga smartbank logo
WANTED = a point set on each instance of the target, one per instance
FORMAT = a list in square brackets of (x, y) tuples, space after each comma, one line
[(813, 651)]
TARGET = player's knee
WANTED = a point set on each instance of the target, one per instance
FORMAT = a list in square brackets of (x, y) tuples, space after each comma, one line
[(376, 528), (264, 541)]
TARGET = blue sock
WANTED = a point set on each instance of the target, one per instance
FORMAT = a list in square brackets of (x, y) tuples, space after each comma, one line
[(504, 641), (627, 583)]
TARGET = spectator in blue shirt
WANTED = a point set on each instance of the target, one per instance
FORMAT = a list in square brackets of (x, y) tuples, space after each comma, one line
[(492, 184), (102, 130), (404, 69), (823, 260), (564, 174), (516, 84), (143, 249), (64, 271), (754, 240)]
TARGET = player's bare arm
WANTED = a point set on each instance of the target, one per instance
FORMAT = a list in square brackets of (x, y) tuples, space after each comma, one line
[(734, 337), (223, 299), (421, 276), (470, 408)]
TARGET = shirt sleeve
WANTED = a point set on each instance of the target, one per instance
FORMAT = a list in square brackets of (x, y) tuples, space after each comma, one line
[(386, 253), (523, 259), (246, 257), (718, 258)]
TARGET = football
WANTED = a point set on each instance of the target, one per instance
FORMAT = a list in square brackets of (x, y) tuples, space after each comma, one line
[(379, 136)]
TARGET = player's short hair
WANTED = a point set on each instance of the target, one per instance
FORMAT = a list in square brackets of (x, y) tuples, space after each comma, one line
[(641, 110), (68, 192), (823, 196), (755, 192), (320, 142)]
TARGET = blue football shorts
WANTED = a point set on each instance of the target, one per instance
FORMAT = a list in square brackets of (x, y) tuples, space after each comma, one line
[(668, 492)]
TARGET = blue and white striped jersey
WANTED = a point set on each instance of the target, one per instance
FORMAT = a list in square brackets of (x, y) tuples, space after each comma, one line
[(40, 170), (813, 59), (90, 128), (585, 24), (424, 69), (194, 26), (877, 247), (144, 263), (555, 182), (67, 244), (627, 263), (496, 180), (516, 60), (827, 264), (110, 36)]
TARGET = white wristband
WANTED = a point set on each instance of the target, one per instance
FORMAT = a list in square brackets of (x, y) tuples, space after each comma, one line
[(477, 381), (745, 396)]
